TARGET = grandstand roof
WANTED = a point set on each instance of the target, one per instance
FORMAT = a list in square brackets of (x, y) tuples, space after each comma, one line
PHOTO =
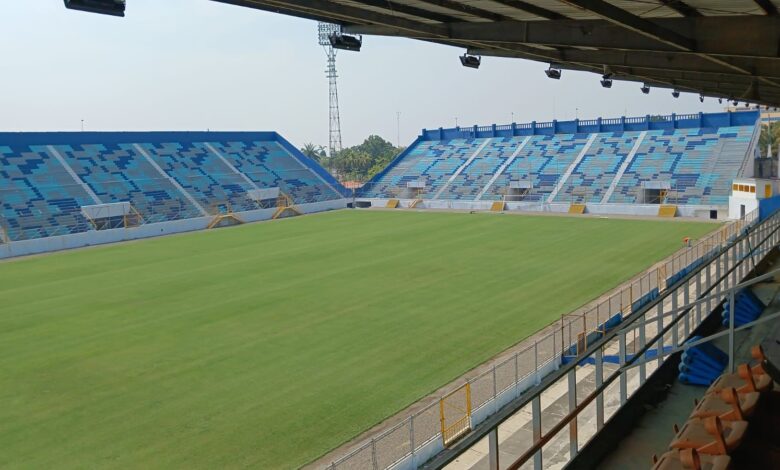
[(723, 48)]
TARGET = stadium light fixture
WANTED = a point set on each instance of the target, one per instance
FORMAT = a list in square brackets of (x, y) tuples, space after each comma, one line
[(553, 72), (676, 93), (470, 61), (720, 100), (645, 89), (103, 7), (701, 98), (345, 42), (606, 80), (736, 103)]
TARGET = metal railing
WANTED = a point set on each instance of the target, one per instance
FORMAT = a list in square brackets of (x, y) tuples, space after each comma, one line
[(654, 333), (422, 432)]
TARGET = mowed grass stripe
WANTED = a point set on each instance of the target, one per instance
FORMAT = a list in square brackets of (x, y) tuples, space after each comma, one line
[(269, 344)]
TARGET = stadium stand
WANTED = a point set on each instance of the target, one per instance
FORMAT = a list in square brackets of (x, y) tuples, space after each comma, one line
[(46, 179), (686, 160)]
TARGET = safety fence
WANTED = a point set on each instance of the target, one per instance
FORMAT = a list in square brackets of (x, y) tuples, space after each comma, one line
[(616, 368), (427, 432)]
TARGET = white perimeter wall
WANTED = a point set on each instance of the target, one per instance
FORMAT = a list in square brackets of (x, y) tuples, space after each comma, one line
[(95, 237), (644, 210)]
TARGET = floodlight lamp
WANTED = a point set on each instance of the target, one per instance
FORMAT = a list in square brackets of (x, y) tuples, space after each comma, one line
[(553, 72), (345, 42), (471, 61), (645, 89), (103, 7)]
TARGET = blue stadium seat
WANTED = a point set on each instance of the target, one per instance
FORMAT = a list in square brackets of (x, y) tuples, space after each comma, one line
[(45, 178)]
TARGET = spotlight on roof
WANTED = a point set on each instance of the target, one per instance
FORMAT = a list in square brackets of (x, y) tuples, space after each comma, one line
[(553, 72), (747, 105), (720, 100), (645, 89), (345, 42), (676, 93), (104, 7), (736, 103), (606, 80), (701, 98), (470, 61)]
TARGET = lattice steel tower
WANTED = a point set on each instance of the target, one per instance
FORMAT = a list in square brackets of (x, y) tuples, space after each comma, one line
[(324, 31)]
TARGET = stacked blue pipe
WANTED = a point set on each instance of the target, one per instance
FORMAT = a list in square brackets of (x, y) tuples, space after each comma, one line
[(701, 364), (748, 308)]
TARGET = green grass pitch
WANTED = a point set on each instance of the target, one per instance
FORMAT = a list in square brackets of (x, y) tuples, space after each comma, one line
[(269, 344)]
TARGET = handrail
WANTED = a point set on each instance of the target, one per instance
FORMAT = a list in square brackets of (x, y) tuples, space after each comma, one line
[(537, 446), (513, 406)]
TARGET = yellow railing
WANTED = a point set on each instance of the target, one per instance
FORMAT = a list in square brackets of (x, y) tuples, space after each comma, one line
[(455, 414)]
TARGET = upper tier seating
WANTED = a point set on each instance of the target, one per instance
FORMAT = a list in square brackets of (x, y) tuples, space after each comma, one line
[(598, 167), (38, 197), (117, 173), (698, 164), (541, 162), (45, 179), (695, 156), (431, 162), (268, 164)]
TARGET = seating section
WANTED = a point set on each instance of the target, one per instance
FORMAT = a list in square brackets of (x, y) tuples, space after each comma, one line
[(117, 173), (205, 177), (542, 162), (268, 164), (431, 162), (481, 169), (45, 178), (598, 167), (38, 198), (699, 164)]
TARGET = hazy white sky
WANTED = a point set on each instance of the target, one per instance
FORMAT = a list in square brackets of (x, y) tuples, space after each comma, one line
[(198, 64)]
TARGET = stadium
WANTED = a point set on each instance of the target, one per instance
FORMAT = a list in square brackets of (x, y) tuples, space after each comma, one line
[(574, 293)]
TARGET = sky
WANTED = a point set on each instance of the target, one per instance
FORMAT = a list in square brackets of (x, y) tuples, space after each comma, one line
[(198, 64)]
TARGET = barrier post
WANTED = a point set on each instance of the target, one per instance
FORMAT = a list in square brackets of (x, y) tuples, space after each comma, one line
[(623, 376), (659, 327), (599, 382), (536, 422), (411, 440), (493, 449), (732, 308), (675, 315), (573, 446)]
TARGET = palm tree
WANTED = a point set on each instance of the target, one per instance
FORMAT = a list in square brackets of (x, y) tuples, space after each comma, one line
[(770, 136), (312, 151)]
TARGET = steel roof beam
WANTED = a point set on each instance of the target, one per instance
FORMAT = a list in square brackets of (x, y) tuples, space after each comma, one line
[(532, 9), (634, 23), (650, 60), (681, 7), (769, 8), (739, 36), (467, 9), (410, 10)]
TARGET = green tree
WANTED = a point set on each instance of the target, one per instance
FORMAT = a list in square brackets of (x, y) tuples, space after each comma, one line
[(363, 161), (770, 135), (315, 152)]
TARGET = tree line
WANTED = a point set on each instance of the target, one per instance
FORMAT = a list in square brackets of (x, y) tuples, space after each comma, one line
[(357, 163)]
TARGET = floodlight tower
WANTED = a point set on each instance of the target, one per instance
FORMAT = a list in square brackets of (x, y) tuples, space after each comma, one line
[(325, 30)]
